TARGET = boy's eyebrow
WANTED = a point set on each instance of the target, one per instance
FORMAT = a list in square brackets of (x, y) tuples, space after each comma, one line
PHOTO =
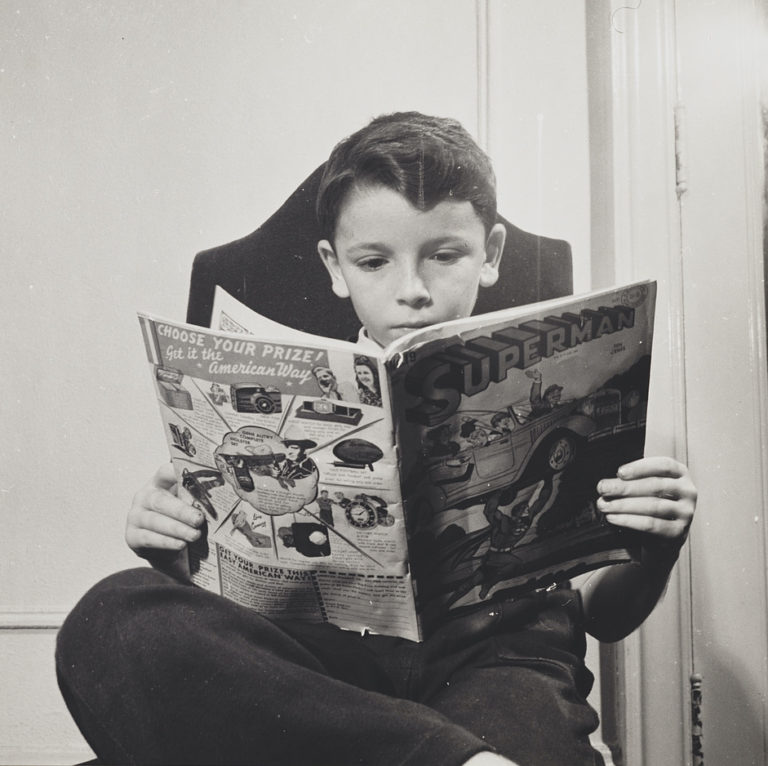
[(447, 239), (381, 247)]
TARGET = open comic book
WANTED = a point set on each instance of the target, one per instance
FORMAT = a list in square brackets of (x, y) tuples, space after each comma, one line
[(388, 490)]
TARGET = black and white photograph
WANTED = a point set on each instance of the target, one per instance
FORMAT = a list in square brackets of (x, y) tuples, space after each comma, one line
[(400, 374)]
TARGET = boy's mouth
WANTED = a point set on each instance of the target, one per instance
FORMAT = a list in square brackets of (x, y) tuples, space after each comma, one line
[(412, 326)]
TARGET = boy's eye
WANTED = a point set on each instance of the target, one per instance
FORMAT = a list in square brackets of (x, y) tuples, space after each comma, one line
[(446, 256), (373, 263)]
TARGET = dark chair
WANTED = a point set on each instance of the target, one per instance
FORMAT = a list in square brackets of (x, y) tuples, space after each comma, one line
[(277, 272)]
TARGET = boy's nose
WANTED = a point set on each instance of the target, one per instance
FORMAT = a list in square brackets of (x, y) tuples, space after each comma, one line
[(412, 290)]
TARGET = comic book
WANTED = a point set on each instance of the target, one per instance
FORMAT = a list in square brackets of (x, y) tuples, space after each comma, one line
[(386, 490)]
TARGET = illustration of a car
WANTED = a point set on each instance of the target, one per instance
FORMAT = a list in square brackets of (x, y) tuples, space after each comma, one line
[(545, 442), (250, 397)]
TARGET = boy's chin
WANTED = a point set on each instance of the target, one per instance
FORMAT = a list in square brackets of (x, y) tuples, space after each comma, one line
[(392, 334), (387, 335)]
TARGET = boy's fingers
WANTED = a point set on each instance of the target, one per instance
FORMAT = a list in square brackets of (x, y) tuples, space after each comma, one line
[(655, 507), (658, 527), (144, 541), (672, 489), (167, 504), (652, 495), (652, 466), (165, 476), (164, 525)]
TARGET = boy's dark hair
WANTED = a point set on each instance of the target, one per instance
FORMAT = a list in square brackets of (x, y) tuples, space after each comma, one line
[(426, 159)]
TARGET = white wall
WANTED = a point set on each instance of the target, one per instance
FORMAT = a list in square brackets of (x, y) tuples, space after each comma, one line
[(726, 369), (686, 206), (135, 134), (538, 127)]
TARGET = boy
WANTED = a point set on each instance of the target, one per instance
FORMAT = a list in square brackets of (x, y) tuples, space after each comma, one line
[(407, 207)]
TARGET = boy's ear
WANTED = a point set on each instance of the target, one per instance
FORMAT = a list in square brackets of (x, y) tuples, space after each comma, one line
[(331, 262), (494, 247)]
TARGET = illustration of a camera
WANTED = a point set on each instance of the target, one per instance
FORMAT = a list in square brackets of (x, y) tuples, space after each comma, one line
[(250, 397)]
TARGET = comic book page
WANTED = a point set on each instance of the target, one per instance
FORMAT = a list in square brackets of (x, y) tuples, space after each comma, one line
[(506, 422), (287, 448)]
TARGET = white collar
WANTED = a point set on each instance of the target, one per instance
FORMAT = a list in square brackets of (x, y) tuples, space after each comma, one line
[(366, 343)]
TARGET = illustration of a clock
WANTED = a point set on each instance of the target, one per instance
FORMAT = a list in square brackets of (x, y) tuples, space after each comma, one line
[(361, 514)]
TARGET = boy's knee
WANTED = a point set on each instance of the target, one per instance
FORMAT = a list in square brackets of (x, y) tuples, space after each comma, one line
[(98, 649), (105, 614)]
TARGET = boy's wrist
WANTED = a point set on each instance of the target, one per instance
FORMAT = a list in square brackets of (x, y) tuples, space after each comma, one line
[(658, 552), (173, 563)]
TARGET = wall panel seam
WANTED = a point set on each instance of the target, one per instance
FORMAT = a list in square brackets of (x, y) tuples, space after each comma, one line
[(482, 9), (40, 619)]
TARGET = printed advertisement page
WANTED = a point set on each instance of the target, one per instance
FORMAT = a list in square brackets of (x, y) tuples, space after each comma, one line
[(287, 448)]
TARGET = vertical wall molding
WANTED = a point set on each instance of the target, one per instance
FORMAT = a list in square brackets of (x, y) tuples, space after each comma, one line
[(687, 209), (600, 101), (632, 65), (482, 11), (722, 234), (754, 145)]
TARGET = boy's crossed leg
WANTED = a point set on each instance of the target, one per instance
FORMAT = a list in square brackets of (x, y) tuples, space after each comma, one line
[(213, 682)]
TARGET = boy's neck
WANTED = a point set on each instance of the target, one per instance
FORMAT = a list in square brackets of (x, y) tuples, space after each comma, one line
[(366, 343)]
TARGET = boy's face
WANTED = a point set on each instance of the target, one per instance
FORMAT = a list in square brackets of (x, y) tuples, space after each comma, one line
[(404, 268)]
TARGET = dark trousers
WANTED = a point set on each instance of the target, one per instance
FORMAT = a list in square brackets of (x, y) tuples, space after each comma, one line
[(159, 672)]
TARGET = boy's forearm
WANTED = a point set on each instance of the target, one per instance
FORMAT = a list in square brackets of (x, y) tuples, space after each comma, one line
[(618, 599)]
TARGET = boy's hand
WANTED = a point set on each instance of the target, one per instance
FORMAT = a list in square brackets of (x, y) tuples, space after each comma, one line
[(653, 495), (159, 524)]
